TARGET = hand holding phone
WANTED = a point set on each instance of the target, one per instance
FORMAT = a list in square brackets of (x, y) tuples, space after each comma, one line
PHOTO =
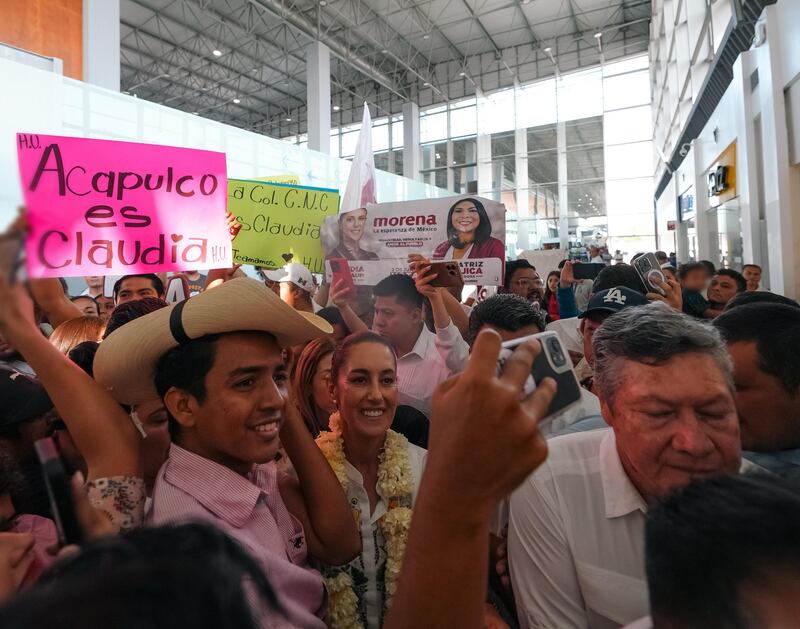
[(340, 273), (647, 266), (59, 492), (448, 275), (552, 362), (587, 270)]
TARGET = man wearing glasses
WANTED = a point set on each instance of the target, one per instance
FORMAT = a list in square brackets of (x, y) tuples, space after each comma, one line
[(522, 279)]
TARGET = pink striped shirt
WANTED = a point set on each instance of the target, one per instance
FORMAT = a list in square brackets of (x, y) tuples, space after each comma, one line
[(251, 510)]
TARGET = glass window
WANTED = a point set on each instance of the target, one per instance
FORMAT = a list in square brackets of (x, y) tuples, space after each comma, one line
[(503, 161), (496, 112), (433, 124), (465, 151), (463, 176), (434, 155), (626, 90), (629, 196), (398, 141), (639, 62), (398, 162), (585, 132), (380, 135), (585, 163), (382, 161), (537, 104), (436, 178), (586, 199), (464, 119), (627, 161), (580, 94), (542, 138), (628, 125), (543, 167)]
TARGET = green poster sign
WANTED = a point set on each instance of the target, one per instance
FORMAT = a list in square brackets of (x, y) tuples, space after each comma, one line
[(280, 223)]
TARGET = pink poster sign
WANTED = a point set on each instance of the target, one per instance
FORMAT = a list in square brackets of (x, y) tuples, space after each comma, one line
[(100, 207)]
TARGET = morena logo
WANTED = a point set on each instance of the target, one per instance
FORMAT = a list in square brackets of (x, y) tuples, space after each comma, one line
[(404, 221)]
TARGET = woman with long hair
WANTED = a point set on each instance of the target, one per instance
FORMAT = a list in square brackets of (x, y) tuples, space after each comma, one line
[(351, 230), (380, 472), (311, 385), (469, 234), (550, 297)]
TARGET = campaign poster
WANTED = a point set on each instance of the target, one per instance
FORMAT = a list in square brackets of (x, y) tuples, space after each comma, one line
[(101, 207), (280, 223), (377, 240)]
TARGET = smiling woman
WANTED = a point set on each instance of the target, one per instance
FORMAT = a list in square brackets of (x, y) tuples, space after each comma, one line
[(380, 472), (469, 234)]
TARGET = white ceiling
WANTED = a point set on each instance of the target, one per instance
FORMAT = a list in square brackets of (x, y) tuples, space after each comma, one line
[(383, 51)]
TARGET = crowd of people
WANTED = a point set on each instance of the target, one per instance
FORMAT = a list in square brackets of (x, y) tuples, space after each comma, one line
[(279, 453)]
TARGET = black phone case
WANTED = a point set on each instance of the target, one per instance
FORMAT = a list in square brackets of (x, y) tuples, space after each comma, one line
[(568, 391)]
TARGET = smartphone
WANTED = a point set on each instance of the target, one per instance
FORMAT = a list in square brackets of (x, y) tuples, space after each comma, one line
[(553, 362), (647, 266), (587, 270), (12, 256), (448, 274), (59, 492), (340, 271)]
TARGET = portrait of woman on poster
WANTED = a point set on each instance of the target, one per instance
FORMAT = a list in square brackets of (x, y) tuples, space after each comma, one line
[(469, 234), (351, 230)]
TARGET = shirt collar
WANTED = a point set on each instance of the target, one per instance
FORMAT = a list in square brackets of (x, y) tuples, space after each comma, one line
[(422, 345), (228, 495), (619, 494)]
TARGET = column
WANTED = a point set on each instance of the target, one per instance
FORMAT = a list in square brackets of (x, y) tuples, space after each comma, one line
[(411, 150), (318, 96), (563, 190), (524, 221), (101, 43), (783, 226), (746, 162)]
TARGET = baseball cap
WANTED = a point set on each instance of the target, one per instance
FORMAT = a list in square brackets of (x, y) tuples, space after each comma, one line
[(24, 398), (293, 273), (613, 300)]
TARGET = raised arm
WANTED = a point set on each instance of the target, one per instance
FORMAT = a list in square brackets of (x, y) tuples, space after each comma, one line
[(315, 497), (443, 582), (451, 345), (340, 295), (50, 297), (104, 434)]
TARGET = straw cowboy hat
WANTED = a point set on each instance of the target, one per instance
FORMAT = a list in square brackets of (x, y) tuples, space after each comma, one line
[(126, 361)]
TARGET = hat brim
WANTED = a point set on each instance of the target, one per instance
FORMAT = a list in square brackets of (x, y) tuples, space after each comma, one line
[(590, 311), (125, 361), (277, 275)]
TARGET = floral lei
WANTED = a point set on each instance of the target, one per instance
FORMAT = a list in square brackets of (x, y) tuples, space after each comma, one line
[(397, 483)]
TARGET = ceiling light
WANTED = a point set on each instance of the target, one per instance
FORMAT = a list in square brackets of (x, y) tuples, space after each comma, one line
[(216, 52), (384, 51), (426, 84), (526, 1), (426, 36), (336, 108), (598, 35), (548, 49), (195, 113), (323, 3), (236, 101), (288, 119), (462, 74)]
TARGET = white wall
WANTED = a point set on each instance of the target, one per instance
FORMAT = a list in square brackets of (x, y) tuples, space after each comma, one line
[(760, 120), (36, 101)]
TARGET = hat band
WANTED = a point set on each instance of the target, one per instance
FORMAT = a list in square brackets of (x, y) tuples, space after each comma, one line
[(176, 323)]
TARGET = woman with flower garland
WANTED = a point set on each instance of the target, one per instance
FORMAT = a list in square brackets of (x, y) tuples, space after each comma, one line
[(380, 472)]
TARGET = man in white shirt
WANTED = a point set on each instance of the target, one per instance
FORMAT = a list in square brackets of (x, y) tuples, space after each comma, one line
[(576, 530), (424, 359)]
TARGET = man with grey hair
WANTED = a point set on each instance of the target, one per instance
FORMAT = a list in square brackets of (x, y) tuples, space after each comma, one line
[(576, 530)]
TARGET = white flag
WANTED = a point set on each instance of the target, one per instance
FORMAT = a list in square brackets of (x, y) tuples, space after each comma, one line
[(360, 189)]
